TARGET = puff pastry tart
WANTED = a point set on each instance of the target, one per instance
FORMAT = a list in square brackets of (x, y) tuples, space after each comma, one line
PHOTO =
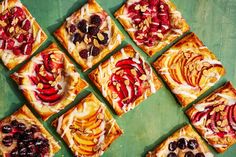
[(88, 128), (183, 143), (189, 68), (20, 34), (152, 24), (215, 117), (49, 81), (22, 134), (125, 80), (89, 35)]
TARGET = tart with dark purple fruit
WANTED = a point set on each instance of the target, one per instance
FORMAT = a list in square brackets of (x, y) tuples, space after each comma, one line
[(152, 24), (20, 34), (21, 134), (89, 35), (183, 143), (125, 80), (215, 117), (88, 128), (189, 69), (49, 81)]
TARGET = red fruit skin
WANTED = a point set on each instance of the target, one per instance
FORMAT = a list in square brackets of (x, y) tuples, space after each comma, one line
[(26, 48), (26, 25), (153, 2), (10, 44), (20, 38), (3, 35), (29, 38), (17, 51), (18, 12), (2, 44)]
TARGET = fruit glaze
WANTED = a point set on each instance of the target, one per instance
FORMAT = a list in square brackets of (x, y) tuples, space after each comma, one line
[(216, 117), (17, 34)]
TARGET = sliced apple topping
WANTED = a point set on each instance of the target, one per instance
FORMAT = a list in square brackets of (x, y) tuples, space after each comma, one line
[(49, 78)]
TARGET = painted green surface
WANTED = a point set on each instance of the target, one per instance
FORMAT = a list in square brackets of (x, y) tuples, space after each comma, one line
[(214, 21)]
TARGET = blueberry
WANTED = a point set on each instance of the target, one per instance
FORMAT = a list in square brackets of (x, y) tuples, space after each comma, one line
[(171, 155), (96, 20), (14, 123), (105, 40), (17, 135), (77, 38), (6, 129), (172, 146), (192, 144), (189, 154), (34, 128), (21, 126), (7, 141), (93, 30), (182, 143), (72, 28), (199, 155), (14, 153), (82, 26), (94, 50), (22, 151), (20, 144), (84, 54)]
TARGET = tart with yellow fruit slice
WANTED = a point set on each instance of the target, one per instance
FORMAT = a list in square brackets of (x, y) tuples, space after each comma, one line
[(88, 128)]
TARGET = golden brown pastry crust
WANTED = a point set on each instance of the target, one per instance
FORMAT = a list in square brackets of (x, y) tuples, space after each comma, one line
[(101, 78), (221, 144), (26, 116), (186, 132), (72, 79), (63, 36), (38, 34), (78, 127), (189, 69), (169, 37)]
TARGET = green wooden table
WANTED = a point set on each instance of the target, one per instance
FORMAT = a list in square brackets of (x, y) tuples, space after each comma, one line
[(214, 21)]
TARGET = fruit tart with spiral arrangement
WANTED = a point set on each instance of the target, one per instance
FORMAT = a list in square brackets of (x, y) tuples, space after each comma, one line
[(152, 24), (89, 35), (21, 134), (189, 69), (88, 128), (125, 80), (20, 34), (49, 81), (183, 143), (215, 117)]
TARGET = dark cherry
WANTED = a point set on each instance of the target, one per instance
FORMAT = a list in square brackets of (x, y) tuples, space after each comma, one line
[(34, 128), (7, 141), (189, 154), (72, 28), (82, 26), (199, 155), (14, 153), (6, 129), (84, 54), (20, 144), (22, 151), (172, 154), (31, 148), (27, 137), (96, 20), (17, 135), (14, 123), (182, 143), (94, 50), (38, 142), (93, 30), (172, 146), (192, 144), (105, 40), (21, 126), (77, 38)]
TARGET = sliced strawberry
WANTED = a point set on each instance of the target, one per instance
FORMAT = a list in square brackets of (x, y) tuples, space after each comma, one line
[(51, 99), (26, 25), (49, 91), (46, 60), (26, 48)]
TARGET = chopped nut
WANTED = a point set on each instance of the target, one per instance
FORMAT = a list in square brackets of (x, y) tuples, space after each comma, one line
[(114, 95), (100, 36), (205, 72), (118, 87), (199, 67), (11, 29), (100, 116), (126, 82), (40, 86), (86, 39), (96, 148), (137, 7), (88, 131), (14, 21), (218, 123), (224, 123), (133, 72), (136, 83), (143, 77), (50, 82), (95, 140), (143, 8), (95, 42), (2, 23), (160, 35)]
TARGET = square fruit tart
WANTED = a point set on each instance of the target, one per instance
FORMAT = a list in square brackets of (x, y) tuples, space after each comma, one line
[(22, 134), (215, 117), (183, 143), (125, 80), (152, 24), (88, 128), (189, 69), (49, 81), (89, 35), (20, 34)]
